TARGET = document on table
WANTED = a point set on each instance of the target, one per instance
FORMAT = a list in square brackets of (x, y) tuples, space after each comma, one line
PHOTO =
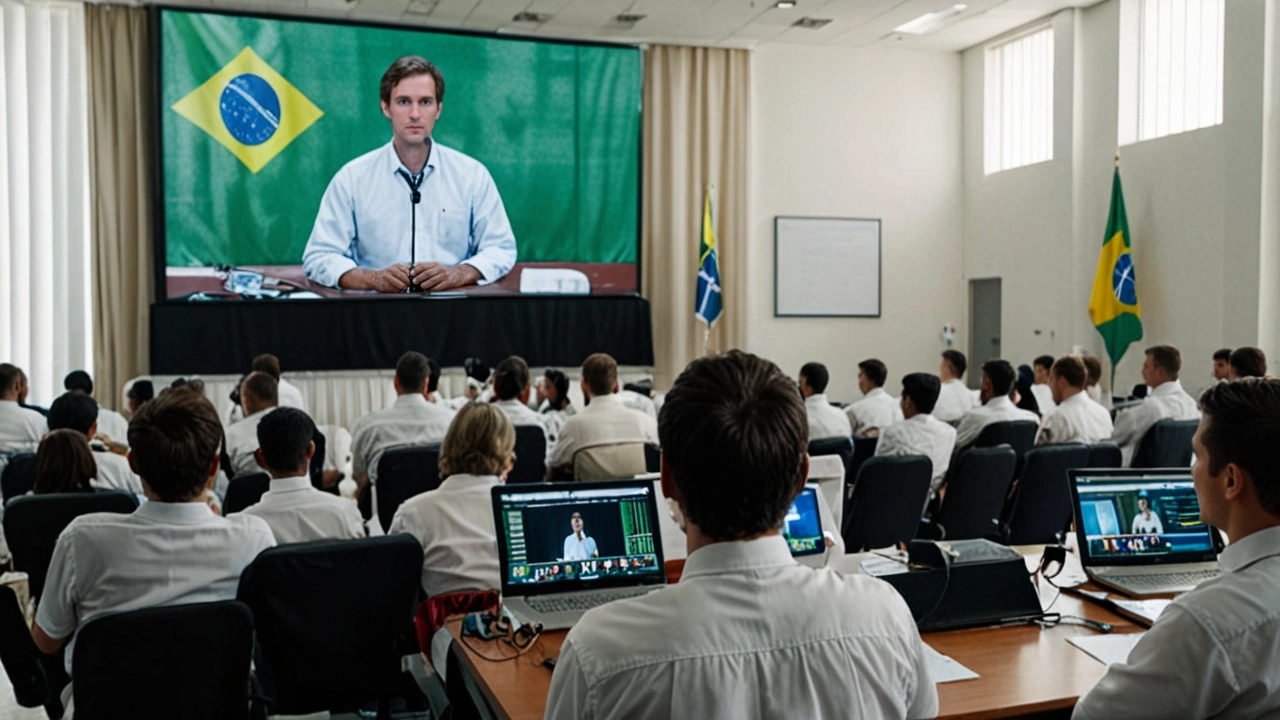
[(1107, 649), (945, 669)]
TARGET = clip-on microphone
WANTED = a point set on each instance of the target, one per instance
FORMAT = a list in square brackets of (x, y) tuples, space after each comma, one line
[(415, 197)]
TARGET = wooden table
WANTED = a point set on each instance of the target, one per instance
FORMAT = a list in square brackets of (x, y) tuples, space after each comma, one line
[(1024, 671)]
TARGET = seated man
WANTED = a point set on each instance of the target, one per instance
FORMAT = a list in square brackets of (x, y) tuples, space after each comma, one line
[(111, 424), (1222, 364), (955, 399), (747, 632), (604, 421), (921, 433), (877, 409), (289, 394), (511, 386), (825, 419), (1093, 369), (410, 421), (140, 393), (20, 428), (997, 383), (172, 550), (553, 402), (79, 412), (1166, 401), (294, 510), (1215, 652), (1076, 418), (1247, 362), (1042, 366), (258, 397)]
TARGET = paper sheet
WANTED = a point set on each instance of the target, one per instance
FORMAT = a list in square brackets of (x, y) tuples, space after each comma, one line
[(945, 669), (1107, 649)]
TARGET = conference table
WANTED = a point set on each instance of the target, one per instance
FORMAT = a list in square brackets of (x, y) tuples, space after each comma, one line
[(1024, 671)]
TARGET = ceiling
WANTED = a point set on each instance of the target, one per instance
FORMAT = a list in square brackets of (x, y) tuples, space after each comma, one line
[(717, 23)]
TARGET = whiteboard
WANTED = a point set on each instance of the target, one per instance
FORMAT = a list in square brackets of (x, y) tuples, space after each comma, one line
[(826, 267)]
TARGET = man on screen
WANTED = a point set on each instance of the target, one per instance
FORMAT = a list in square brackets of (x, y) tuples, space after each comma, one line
[(579, 545), (370, 234), (1146, 521)]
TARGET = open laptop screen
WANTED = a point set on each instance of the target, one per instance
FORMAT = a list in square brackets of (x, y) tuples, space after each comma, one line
[(802, 526), (555, 538), (1137, 518)]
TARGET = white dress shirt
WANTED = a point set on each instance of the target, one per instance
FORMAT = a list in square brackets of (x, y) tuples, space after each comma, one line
[(997, 409), (636, 401), (747, 633), (954, 400), (606, 421), (576, 548), (922, 434), (1215, 652), (297, 512), (114, 473), (1095, 394), (521, 414), (1044, 397), (410, 421), (1168, 401), (242, 443), (878, 409), (554, 420), (362, 220), (20, 428), (1077, 420), (113, 426), (1142, 524), (825, 420), (289, 395)]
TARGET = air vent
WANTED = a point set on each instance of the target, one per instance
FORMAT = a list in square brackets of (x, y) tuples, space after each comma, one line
[(624, 21), (810, 23), (531, 17)]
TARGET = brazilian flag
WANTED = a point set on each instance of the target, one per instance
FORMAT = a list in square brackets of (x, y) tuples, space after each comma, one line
[(1114, 306)]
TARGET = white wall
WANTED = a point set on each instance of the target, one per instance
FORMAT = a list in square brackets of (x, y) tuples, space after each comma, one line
[(873, 133)]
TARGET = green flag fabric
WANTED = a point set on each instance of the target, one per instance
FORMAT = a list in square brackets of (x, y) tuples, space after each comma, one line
[(1114, 306)]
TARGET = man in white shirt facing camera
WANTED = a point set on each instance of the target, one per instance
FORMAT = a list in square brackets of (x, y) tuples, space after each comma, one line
[(1076, 418), (747, 632), (921, 433), (825, 419), (1045, 399), (955, 399), (877, 409)]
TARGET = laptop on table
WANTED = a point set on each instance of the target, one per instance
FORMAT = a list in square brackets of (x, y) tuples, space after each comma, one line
[(1139, 531), (567, 548)]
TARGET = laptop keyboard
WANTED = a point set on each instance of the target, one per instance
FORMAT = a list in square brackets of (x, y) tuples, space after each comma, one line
[(581, 602), (1152, 582)]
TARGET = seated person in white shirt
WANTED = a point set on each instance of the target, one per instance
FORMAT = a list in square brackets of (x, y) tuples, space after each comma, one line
[(412, 420), (553, 402), (825, 419), (1146, 520), (955, 399), (64, 464), (20, 428), (511, 387), (1247, 362), (1041, 366), (578, 545), (289, 394), (920, 433), (747, 632), (79, 412), (877, 409), (1166, 400), (295, 511), (258, 397), (172, 550), (140, 393), (1222, 364), (454, 522), (111, 425), (997, 383), (1093, 368), (1215, 652), (1076, 418), (604, 421)]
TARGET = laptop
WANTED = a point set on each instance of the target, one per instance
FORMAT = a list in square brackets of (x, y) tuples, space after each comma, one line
[(567, 548), (1139, 531), (802, 528)]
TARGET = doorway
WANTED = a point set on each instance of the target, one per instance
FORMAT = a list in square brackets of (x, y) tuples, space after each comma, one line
[(984, 324)]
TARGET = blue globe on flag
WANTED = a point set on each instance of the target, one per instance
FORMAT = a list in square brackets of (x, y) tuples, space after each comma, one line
[(250, 109), (1122, 280)]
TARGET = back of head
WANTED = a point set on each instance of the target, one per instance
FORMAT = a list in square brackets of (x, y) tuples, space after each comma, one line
[(816, 375), (1241, 425), (875, 371), (923, 389), (269, 364), (1093, 367), (1248, 362), (10, 375), (475, 368), (142, 391), (1167, 358), (734, 433), (1044, 361), (75, 411), (1070, 368), (262, 389), (284, 434), (511, 378), (412, 371), (64, 463), (958, 361), (433, 375), (481, 441), (1001, 374), (78, 381), (173, 442), (560, 382), (600, 373)]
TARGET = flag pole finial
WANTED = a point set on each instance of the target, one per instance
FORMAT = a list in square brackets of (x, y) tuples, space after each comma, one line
[(1117, 160)]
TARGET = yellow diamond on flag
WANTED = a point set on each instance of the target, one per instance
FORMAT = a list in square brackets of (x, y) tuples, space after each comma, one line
[(249, 108)]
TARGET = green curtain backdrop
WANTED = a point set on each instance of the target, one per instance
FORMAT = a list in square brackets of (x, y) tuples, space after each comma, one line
[(557, 125)]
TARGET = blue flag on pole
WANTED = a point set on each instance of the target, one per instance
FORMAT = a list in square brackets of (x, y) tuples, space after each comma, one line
[(708, 305)]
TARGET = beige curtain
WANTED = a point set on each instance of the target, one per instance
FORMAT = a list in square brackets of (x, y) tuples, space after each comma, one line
[(696, 106), (120, 132)]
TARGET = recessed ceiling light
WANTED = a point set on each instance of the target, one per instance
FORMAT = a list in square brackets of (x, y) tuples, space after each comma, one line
[(811, 23), (929, 22), (531, 17), (785, 4)]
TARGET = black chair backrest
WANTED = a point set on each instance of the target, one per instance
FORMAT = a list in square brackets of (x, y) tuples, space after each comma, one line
[(328, 616), (18, 653), (841, 446), (864, 448), (1166, 445), (652, 458), (403, 473), (245, 490), (1042, 504), (1105, 455), (316, 468), (531, 455), (19, 475), (1017, 434), (976, 493), (32, 524), (888, 500), (178, 661)]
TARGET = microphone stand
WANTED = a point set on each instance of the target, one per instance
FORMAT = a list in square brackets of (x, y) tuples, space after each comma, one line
[(415, 197)]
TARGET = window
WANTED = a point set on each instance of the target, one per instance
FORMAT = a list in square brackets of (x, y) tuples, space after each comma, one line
[(1018, 122), (1170, 67)]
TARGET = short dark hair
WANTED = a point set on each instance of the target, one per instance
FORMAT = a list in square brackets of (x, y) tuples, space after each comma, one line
[(141, 390), (923, 389), (1167, 358), (1092, 366), (957, 360), (560, 382), (816, 375), (734, 433), (408, 66), (510, 378), (1044, 361), (1249, 362), (1001, 374), (875, 371), (412, 371), (1241, 425), (262, 386), (9, 374), (600, 372), (1070, 368), (73, 410), (1223, 354), (283, 437), (78, 381), (64, 463), (267, 363), (433, 375), (173, 440)]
